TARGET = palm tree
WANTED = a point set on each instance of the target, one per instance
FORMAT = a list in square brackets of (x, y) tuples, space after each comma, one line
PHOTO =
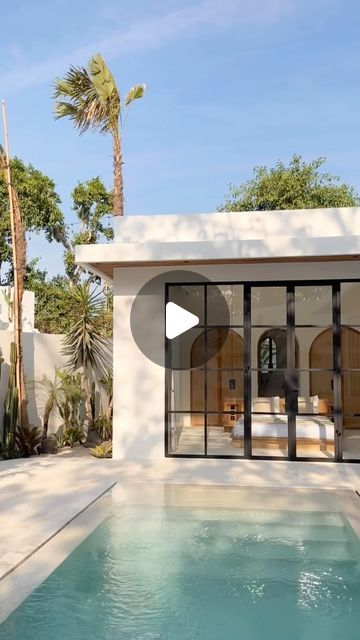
[(91, 99), (84, 344), (19, 263)]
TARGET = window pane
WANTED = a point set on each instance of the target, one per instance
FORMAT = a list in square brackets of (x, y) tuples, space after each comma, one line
[(187, 350), (350, 303), (315, 392), (186, 390), (225, 391), (269, 435), (268, 306), (351, 398), (350, 348), (186, 433), (268, 348), (313, 305), (315, 437), (220, 440), (314, 348), (190, 297), (234, 296)]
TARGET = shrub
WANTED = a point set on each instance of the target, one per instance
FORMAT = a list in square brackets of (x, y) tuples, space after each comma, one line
[(103, 426), (103, 450), (73, 435), (27, 440)]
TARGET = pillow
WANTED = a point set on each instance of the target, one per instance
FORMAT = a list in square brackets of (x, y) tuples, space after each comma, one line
[(307, 405), (266, 405)]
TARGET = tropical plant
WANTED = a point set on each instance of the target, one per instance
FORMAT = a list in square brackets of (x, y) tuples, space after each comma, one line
[(300, 185), (11, 402), (70, 399), (103, 426), (91, 99), (84, 344), (107, 382), (103, 450), (27, 440), (72, 436)]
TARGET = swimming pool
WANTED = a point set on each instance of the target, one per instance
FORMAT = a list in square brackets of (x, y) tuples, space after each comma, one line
[(155, 572)]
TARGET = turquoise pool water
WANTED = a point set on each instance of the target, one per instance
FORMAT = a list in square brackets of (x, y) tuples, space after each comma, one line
[(151, 573)]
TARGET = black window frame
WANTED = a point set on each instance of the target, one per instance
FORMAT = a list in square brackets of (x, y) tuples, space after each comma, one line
[(291, 371)]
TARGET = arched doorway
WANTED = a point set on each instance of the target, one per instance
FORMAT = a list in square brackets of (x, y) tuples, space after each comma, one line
[(272, 362), (321, 382), (226, 377)]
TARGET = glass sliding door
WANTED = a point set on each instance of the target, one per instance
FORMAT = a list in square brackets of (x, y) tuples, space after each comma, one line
[(350, 369), (314, 403), (280, 378), (269, 338)]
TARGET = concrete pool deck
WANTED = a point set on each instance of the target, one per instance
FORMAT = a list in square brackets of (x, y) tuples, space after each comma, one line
[(41, 495)]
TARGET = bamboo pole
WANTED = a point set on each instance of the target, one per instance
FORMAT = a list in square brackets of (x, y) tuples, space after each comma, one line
[(17, 232)]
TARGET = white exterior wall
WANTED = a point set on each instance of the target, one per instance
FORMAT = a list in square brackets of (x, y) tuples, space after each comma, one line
[(139, 384), (42, 354)]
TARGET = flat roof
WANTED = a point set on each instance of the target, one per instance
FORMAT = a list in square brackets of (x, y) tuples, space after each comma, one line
[(222, 237)]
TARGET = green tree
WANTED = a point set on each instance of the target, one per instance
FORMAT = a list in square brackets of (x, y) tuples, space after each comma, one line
[(91, 203), (39, 204), (91, 99), (298, 185)]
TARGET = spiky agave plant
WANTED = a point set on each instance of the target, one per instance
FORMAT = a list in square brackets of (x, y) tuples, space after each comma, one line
[(84, 345), (91, 99)]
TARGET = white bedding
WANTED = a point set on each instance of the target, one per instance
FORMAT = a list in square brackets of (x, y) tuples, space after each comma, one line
[(277, 427)]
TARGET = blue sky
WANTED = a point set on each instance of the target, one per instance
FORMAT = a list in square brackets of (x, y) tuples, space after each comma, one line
[(231, 84)]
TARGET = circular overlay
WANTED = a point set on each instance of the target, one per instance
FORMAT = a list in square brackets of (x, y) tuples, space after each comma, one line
[(193, 347)]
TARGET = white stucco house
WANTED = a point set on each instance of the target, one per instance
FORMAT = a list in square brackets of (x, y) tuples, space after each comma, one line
[(279, 377)]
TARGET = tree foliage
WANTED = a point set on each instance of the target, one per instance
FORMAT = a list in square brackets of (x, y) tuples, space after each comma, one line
[(91, 99), (39, 204), (91, 203), (298, 185)]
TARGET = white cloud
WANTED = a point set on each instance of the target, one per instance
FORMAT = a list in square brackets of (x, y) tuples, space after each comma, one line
[(151, 34)]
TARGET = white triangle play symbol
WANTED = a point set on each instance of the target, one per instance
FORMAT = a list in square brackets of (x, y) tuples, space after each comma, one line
[(178, 320)]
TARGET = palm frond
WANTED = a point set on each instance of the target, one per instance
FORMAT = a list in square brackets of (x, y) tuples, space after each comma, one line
[(76, 97), (102, 77), (84, 342), (135, 93)]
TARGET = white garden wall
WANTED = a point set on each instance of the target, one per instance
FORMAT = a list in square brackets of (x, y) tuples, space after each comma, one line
[(42, 354)]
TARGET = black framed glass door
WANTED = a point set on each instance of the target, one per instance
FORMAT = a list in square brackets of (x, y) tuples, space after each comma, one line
[(285, 382)]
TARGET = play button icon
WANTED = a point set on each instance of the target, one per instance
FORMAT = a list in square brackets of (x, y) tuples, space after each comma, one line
[(178, 320)]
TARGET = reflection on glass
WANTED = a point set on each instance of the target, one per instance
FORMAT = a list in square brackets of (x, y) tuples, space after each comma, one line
[(315, 437), (269, 432), (268, 306), (350, 303), (220, 435), (186, 434), (190, 297), (313, 305), (234, 297)]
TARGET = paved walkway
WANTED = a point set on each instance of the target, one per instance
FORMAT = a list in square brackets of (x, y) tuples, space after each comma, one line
[(39, 496)]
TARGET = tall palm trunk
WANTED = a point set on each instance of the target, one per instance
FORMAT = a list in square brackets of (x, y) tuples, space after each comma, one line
[(19, 263), (118, 175)]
